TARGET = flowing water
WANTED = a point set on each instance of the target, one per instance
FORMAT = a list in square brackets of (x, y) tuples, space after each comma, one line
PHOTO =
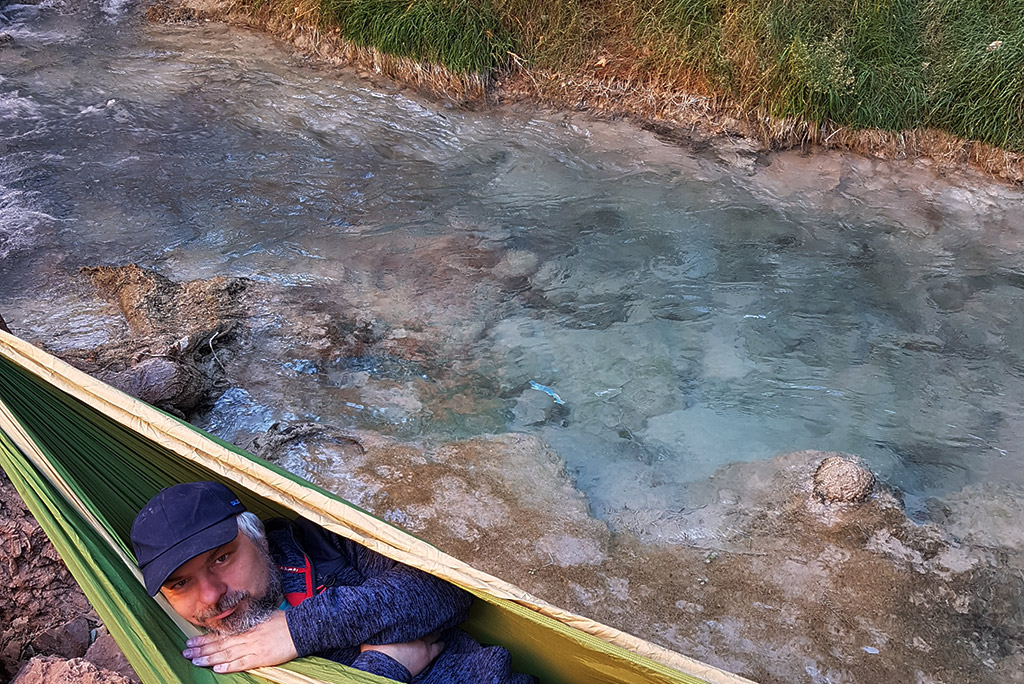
[(676, 310)]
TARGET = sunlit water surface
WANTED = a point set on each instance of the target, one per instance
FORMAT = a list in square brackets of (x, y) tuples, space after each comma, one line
[(695, 312)]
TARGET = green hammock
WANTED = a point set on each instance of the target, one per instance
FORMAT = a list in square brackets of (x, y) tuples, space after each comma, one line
[(86, 457)]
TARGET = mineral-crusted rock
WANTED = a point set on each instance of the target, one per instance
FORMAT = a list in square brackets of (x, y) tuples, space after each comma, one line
[(169, 13), (842, 479), (484, 492), (156, 306)]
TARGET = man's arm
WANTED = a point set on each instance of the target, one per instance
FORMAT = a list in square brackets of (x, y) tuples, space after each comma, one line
[(270, 644), (395, 604), (264, 645), (400, 662)]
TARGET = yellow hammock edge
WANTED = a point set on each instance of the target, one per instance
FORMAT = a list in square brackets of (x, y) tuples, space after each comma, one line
[(323, 510)]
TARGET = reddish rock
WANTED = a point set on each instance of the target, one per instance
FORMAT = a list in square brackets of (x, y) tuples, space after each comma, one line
[(53, 670), (70, 640), (37, 593), (106, 654)]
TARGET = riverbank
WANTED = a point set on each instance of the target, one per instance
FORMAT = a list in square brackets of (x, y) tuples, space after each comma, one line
[(607, 85)]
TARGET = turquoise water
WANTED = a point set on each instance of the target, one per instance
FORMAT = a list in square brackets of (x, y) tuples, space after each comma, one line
[(690, 309)]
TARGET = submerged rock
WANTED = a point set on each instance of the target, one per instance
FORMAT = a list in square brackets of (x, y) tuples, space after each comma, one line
[(169, 356), (757, 575), (842, 479), (509, 494), (516, 264), (273, 444)]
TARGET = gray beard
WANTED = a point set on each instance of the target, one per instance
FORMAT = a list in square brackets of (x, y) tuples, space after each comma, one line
[(258, 609)]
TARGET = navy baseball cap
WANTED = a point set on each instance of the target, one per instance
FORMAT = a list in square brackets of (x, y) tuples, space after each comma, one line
[(180, 523)]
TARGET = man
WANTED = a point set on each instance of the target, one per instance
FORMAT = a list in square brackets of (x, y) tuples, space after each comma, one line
[(289, 589)]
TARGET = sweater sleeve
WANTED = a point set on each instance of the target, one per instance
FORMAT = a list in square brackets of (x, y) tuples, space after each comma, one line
[(394, 604), (382, 665)]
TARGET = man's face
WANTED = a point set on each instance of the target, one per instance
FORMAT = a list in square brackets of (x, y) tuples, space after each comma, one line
[(227, 590)]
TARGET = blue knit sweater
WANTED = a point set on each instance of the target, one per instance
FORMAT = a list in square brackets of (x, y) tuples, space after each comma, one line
[(344, 595)]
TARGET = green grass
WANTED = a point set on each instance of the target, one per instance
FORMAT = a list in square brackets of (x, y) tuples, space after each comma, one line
[(685, 39), (857, 64), (461, 35), (957, 65), (550, 34), (887, 64), (976, 86)]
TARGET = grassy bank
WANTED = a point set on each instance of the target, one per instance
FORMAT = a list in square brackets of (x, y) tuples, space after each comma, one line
[(894, 65)]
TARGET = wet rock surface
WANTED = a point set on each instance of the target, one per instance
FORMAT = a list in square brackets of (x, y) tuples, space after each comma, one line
[(168, 354), (768, 571), (762, 576), (387, 352), (157, 307), (506, 497), (179, 345)]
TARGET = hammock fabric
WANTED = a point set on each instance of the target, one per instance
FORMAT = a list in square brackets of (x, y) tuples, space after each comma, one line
[(85, 457)]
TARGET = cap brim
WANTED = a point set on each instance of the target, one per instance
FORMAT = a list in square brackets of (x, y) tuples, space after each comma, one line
[(156, 572)]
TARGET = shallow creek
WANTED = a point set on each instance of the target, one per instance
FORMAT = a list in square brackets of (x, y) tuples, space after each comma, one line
[(651, 317)]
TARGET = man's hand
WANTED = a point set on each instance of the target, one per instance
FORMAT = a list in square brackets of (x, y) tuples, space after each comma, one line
[(267, 644), (414, 655)]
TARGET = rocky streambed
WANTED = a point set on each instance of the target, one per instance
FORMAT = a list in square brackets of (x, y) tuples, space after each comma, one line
[(781, 569), (585, 358)]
